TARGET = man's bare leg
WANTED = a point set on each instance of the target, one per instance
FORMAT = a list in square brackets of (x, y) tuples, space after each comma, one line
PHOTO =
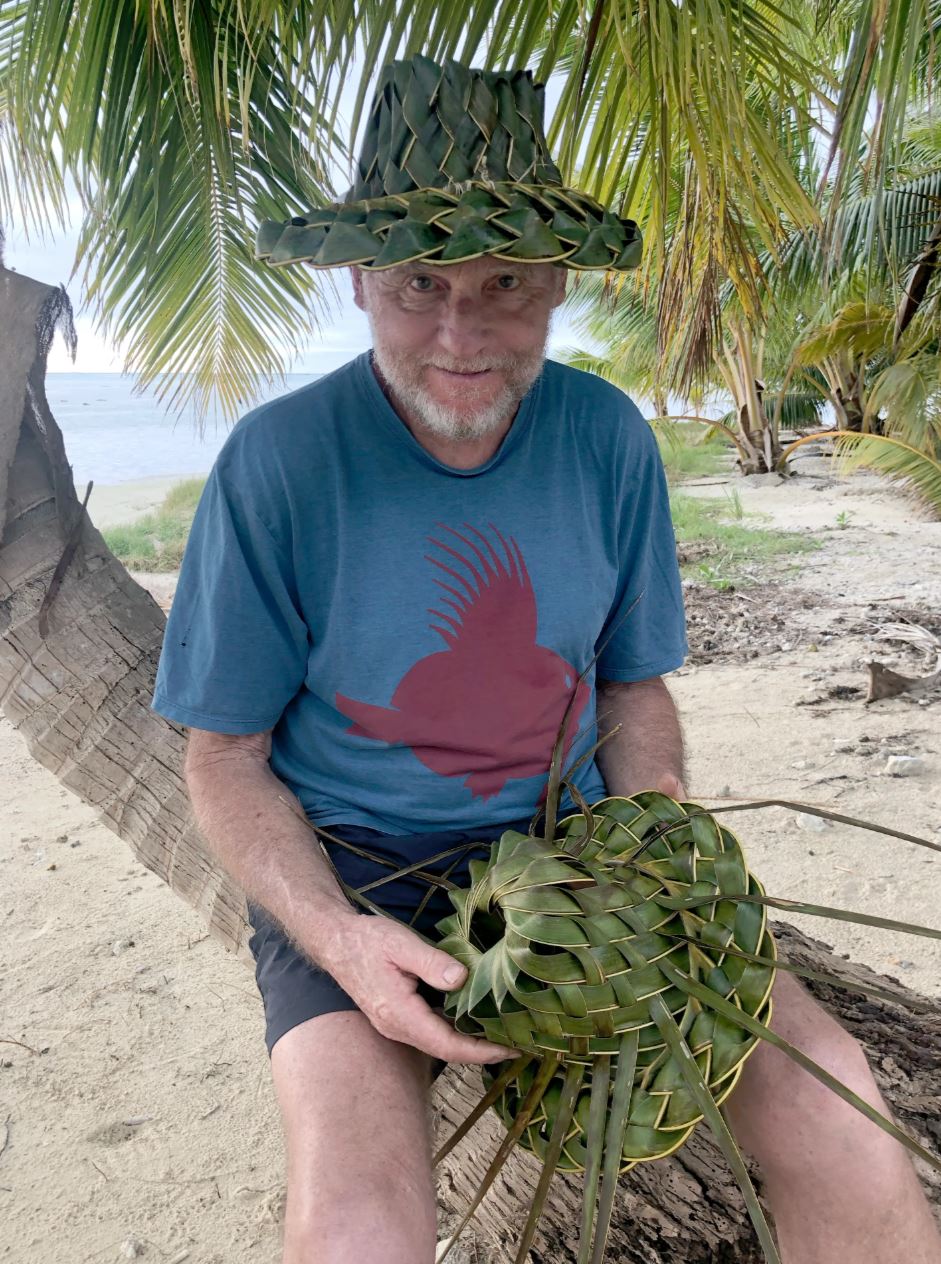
[(354, 1106), (842, 1191)]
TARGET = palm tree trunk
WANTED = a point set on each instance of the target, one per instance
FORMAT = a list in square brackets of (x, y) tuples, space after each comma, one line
[(80, 639), (923, 270), (750, 457), (79, 643), (846, 379), (753, 419)]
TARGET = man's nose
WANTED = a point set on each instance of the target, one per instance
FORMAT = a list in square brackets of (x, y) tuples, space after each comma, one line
[(463, 326)]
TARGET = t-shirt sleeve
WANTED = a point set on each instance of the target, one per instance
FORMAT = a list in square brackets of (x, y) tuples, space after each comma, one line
[(645, 633), (235, 647)]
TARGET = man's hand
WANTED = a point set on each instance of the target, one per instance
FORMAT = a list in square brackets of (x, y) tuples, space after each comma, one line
[(241, 807), (378, 962)]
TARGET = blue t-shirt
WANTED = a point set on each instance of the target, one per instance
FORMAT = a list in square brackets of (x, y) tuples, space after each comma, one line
[(411, 632)]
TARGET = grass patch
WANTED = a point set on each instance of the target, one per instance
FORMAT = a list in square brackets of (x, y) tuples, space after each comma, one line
[(715, 545), (156, 541), (687, 454)]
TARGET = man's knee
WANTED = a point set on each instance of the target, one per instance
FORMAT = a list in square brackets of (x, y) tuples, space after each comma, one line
[(801, 1020), (386, 1218), (360, 1182)]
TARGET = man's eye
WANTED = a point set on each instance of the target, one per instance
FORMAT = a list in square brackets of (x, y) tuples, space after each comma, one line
[(508, 281), (419, 283)]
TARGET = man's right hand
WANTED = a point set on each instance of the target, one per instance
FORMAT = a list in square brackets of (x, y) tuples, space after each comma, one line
[(378, 962)]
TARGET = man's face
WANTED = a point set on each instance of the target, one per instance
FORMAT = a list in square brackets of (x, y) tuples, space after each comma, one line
[(460, 344)]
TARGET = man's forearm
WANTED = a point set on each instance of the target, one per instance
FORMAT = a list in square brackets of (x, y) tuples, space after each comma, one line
[(255, 827), (647, 751)]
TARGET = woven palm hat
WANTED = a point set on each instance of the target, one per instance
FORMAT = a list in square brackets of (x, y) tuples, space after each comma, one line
[(454, 165)]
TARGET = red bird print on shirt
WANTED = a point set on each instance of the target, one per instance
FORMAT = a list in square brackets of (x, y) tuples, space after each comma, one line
[(488, 707)]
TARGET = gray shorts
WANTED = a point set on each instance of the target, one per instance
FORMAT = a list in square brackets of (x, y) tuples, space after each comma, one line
[(292, 988)]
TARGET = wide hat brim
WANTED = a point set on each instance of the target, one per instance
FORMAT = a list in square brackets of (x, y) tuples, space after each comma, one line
[(518, 222)]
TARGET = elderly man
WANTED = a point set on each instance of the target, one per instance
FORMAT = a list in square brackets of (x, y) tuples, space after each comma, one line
[(395, 579)]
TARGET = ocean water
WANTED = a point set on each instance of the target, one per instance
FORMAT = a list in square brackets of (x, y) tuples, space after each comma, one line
[(114, 434)]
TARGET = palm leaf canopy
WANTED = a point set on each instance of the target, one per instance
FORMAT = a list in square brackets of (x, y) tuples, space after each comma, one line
[(882, 231), (185, 125)]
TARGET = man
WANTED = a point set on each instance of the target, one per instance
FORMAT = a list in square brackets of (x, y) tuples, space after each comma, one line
[(395, 579)]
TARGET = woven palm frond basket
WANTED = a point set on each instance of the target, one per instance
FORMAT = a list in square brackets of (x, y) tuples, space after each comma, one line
[(587, 953)]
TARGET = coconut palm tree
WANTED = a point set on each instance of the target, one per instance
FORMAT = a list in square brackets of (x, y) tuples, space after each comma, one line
[(182, 125), (875, 339), (749, 366), (852, 319)]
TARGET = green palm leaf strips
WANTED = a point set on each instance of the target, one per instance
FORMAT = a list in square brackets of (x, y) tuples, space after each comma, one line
[(566, 946), (455, 165), (585, 949)]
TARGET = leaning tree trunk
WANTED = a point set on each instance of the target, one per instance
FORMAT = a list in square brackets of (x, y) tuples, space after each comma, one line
[(79, 639), (79, 642)]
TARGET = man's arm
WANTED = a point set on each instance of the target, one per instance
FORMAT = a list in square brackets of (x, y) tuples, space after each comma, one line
[(647, 751), (254, 826)]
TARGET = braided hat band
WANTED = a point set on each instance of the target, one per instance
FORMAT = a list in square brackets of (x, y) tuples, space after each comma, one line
[(455, 165)]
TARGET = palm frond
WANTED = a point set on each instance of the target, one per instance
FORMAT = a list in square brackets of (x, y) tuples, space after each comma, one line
[(180, 288), (894, 225), (908, 395), (621, 369), (254, 87), (918, 471), (887, 60), (651, 1006), (183, 126), (626, 897), (798, 408), (915, 469), (863, 329), (32, 186), (173, 189)]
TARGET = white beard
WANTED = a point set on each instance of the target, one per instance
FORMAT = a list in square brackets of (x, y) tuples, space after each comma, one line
[(405, 384)]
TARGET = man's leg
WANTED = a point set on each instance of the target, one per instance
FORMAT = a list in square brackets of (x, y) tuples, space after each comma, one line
[(841, 1190), (356, 1123)]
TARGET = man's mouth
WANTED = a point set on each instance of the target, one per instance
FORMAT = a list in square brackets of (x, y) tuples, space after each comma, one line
[(460, 375)]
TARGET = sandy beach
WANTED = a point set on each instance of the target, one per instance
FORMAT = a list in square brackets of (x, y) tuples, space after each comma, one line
[(113, 503), (136, 1113)]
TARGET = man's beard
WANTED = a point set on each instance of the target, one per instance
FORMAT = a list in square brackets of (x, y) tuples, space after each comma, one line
[(404, 381)]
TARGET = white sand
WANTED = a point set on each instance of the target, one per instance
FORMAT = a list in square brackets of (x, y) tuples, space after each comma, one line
[(112, 504), (142, 1108)]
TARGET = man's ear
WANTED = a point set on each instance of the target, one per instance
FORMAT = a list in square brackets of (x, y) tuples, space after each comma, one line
[(356, 275)]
